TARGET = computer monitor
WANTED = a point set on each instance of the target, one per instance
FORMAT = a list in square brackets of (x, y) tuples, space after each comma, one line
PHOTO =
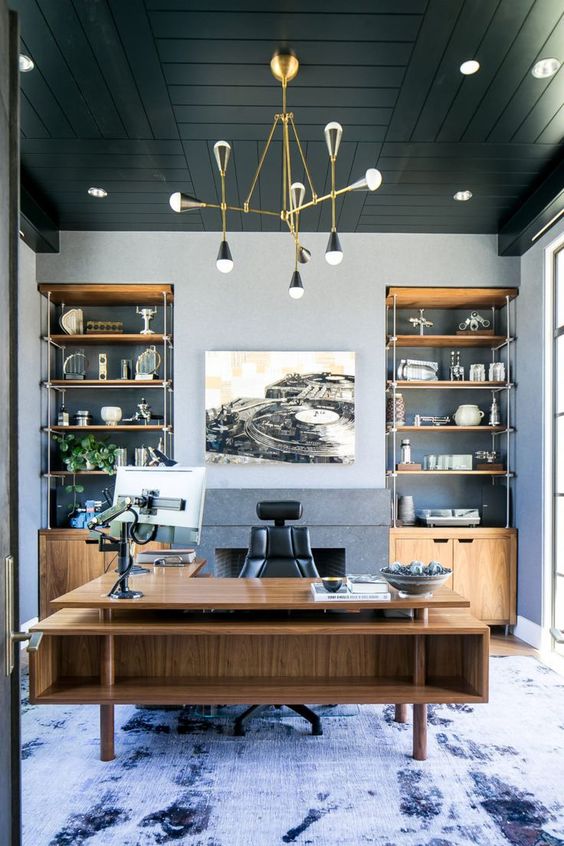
[(180, 526)]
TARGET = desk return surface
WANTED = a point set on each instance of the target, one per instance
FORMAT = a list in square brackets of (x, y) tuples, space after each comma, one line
[(232, 641)]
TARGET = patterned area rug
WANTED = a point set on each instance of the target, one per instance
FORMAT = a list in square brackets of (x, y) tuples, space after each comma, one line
[(495, 775)]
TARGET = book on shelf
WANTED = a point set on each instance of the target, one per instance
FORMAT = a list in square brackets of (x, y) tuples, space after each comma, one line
[(345, 595), (366, 583)]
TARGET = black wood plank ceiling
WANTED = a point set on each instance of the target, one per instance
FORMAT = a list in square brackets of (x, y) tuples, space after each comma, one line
[(130, 95)]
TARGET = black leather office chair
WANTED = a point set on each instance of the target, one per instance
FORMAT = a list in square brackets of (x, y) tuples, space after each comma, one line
[(279, 552)]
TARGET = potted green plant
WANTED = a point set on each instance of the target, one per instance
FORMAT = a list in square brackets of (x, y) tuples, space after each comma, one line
[(85, 452)]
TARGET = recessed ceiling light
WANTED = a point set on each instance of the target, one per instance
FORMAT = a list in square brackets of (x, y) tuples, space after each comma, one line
[(462, 196), (546, 67), (26, 63), (97, 192), (469, 67)]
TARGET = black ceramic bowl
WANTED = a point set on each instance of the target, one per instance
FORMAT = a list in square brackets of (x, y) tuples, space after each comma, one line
[(332, 583)]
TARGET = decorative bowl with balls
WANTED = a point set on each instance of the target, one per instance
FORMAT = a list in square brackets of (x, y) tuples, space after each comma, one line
[(416, 579)]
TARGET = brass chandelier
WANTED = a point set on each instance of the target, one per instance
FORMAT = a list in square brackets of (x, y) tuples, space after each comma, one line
[(284, 67)]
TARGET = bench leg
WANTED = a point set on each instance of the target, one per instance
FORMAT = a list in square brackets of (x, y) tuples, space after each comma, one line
[(420, 732)]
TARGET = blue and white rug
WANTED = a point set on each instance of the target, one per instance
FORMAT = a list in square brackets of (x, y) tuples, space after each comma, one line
[(495, 775)]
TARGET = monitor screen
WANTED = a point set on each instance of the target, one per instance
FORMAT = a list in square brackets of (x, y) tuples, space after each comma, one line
[(178, 525)]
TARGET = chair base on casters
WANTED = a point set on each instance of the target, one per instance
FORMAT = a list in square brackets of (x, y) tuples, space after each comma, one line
[(302, 710)]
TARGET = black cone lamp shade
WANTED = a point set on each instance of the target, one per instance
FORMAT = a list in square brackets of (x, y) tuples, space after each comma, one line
[(224, 260), (334, 251), (296, 289)]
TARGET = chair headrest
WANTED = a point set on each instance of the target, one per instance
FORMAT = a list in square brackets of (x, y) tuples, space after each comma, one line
[(279, 511)]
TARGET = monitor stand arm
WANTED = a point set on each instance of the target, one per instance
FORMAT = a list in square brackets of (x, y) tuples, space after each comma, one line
[(125, 568)]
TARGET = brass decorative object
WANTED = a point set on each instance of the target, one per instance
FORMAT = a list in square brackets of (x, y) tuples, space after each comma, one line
[(75, 366), (108, 327), (147, 364)]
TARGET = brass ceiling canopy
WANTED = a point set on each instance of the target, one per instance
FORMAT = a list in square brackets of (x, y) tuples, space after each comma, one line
[(284, 66)]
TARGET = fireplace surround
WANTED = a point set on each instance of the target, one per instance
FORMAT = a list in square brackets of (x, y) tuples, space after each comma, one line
[(348, 526)]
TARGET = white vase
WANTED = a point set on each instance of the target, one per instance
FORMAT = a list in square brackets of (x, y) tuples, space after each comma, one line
[(111, 414), (468, 415)]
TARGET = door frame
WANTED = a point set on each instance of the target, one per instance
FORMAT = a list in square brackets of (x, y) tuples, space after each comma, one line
[(9, 281), (549, 574)]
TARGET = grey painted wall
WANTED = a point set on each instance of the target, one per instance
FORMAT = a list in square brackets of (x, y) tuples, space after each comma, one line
[(29, 417), (531, 421), (342, 309)]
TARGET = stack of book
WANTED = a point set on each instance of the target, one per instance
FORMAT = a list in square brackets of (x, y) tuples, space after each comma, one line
[(356, 587)]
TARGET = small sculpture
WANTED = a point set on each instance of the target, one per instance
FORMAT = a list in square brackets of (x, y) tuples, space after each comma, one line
[(142, 415), (147, 314), (494, 419), (420, 321), (474, 323), (456, 370)]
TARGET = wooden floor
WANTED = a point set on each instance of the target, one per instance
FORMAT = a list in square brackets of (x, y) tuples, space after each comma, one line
[(510, 645)]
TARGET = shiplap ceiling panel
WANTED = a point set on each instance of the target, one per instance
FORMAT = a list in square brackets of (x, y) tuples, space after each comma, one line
[(131, 95)]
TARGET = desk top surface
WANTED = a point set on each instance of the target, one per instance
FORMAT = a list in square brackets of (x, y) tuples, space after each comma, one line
[(176, 589)]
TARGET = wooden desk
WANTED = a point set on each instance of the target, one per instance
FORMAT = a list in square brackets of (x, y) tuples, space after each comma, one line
[(232, 641)]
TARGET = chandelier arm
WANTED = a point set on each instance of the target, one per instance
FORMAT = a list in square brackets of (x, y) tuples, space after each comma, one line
[(325, 197), (262, 158), (240, 209), (306, 169), (288, 188)]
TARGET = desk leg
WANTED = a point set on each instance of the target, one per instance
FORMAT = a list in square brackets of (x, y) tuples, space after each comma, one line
[(419, 709), (401, 714), (107, 677)]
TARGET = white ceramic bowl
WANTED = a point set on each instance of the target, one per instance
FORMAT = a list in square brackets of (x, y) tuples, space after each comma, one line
[(111, 414)]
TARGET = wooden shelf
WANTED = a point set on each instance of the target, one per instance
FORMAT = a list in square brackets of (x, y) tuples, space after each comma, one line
[(66, 473), (103, 294), (449, 473), (426, 428), (190, 690), (126, 623), (473, 298), (447, 385), (103, 428), (91, 338), (141, 384), (448, 341)]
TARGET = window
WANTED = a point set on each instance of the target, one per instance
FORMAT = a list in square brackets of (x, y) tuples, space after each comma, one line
[(558, 465)]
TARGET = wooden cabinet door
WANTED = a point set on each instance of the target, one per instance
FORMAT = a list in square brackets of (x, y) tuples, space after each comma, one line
[(65, 563), (406, 549), (482, 573)]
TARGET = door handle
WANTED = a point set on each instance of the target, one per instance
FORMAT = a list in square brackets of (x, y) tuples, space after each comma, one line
[(440, 540), (465, 540), (12, 637)]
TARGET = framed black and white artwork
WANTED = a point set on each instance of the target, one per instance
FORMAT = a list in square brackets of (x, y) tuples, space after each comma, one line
[(280, 407)]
